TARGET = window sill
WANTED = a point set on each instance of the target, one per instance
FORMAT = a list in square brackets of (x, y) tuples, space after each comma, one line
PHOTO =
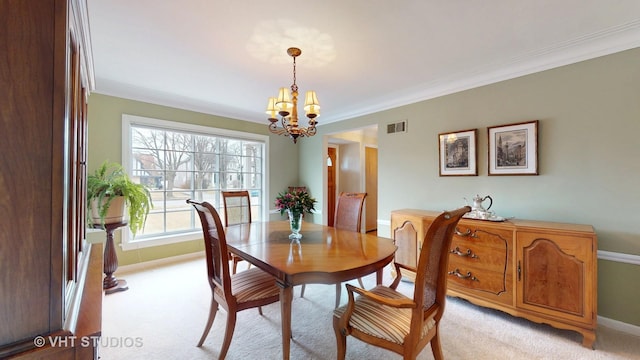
[(158, 241)]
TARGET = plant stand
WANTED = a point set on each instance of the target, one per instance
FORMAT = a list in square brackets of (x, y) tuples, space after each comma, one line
[(111, 284)]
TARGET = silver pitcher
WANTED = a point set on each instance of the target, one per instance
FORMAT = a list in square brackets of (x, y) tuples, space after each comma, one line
[(477, 204)]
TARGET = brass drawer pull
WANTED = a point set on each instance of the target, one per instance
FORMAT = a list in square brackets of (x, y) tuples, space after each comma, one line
[(467, 233), (468, 276), (469, 253)]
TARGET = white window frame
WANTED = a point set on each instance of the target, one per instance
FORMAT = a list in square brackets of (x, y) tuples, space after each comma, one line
[(130, 243)]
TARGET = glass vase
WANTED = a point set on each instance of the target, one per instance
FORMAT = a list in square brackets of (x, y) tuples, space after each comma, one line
[(295, 223)]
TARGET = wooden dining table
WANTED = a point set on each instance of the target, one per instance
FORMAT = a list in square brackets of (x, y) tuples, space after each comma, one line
[(324, 255)]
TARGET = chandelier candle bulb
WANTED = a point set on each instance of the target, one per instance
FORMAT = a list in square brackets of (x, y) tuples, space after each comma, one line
[(311, 105), (284, 102), (271, 109)]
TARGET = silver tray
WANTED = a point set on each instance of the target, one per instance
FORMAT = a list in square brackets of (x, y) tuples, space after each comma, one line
[(475, 216)]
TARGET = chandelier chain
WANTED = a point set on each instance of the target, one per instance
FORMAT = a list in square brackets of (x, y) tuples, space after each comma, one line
[(294, 86)]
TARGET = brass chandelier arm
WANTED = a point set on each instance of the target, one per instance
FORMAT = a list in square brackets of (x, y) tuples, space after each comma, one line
[(276, 130)]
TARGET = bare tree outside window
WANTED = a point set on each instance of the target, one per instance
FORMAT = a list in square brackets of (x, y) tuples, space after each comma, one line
[(204, 163), (168, 150), (179, 165)]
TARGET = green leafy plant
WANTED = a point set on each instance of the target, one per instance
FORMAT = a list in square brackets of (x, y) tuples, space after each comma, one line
[(298, 202), (109, 181)]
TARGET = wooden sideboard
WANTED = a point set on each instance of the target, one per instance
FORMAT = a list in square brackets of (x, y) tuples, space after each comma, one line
[(542, 271)]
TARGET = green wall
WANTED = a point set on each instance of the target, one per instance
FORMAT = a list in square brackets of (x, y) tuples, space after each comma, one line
[(105, 143), (589, 151), (589, 127)]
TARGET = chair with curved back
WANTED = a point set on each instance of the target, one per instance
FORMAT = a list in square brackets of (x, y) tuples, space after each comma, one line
[(348, 216), (386, 318), (244, 290), (237, 210)]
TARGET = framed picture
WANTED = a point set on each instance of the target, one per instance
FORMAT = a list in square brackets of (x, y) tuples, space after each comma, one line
[(513, 149), (458, 155)]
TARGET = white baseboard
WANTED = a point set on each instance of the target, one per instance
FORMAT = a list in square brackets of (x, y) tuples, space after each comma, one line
[(619, 325)]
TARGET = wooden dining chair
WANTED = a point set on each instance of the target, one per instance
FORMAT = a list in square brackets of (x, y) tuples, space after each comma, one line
[(244, 290), (348, 216), (386, 318), (237, 210)]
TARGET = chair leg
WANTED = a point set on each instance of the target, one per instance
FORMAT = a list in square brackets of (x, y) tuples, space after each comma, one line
[(341, 340), (302, 291), (228, 334), (213, 310), (338, 294), (360, 282), (436, 349), (260, 310)]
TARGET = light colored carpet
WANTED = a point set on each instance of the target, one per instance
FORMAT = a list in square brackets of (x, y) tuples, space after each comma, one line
[(163, 314)]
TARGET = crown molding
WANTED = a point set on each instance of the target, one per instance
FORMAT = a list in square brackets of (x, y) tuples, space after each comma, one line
[(608, 41), (141, 94)]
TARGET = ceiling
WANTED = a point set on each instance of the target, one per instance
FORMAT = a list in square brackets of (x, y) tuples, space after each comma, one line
[(226, 57)]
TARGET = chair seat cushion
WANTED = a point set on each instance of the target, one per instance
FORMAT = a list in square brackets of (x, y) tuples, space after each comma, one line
[(384, 322), (253, 284)]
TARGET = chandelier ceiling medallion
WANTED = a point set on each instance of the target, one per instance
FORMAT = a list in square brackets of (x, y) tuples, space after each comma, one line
[(286, 106)]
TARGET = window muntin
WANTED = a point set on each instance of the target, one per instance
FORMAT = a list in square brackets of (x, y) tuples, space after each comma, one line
[(182, 161)]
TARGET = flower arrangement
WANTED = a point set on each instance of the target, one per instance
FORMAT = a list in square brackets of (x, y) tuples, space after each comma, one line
[(298, 202)]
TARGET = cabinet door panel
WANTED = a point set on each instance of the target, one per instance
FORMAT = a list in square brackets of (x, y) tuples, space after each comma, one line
[(29, 186), (554, 273), (406, 239)]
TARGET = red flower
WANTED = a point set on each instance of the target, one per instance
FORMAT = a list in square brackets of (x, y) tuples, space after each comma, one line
[(297, 201)]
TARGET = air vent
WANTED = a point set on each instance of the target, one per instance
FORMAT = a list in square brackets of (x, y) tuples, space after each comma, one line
[(397, 127)]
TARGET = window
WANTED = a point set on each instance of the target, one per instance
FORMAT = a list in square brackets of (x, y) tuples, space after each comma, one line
[(181, 161)]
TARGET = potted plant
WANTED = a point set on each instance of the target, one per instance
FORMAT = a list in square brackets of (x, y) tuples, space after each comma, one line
[(110, 191)]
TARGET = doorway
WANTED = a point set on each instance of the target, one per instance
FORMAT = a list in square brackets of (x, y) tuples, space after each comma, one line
[(331, 185), (371, 188), (353, 156)]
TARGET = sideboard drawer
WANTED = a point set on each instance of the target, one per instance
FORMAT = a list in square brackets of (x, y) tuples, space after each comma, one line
[(487, 250), (488, 283), (479, 261)]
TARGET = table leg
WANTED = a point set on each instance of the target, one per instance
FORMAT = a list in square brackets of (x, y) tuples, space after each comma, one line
[(286, 297), (379, 277)]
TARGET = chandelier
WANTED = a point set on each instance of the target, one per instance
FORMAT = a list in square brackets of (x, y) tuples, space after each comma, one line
[(286, 106)]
